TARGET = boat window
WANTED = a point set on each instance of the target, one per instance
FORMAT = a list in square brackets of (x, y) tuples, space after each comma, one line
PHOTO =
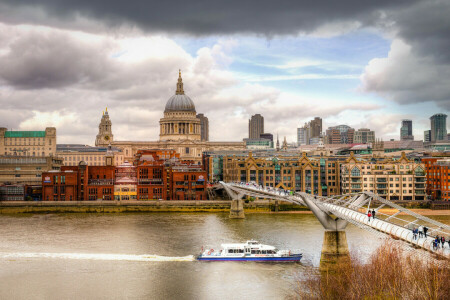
[(230, 250), (253, 251), (241, 250), (264, 252)]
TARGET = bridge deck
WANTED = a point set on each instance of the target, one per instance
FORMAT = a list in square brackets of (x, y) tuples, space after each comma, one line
[(353, 208)]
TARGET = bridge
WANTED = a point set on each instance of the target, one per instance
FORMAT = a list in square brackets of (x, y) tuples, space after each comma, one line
[(335, 212)]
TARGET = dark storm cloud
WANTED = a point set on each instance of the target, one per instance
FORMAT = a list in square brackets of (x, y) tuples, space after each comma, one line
[(212, 16), (426, 27), (51, 60)]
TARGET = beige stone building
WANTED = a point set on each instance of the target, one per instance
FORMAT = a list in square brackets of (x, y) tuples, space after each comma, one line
[(296, 172), (394, 179), (73, 154), (26, 169), (28, 143), (180, 130)]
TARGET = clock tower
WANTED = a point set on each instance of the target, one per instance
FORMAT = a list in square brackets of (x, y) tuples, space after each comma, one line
[(104, 136)]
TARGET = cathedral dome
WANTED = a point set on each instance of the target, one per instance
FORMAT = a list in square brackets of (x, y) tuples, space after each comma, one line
[(179, 101)]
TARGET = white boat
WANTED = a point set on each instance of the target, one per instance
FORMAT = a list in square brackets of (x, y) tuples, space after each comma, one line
[(249, 251)]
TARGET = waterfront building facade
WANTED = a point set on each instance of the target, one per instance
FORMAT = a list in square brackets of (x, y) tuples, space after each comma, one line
[(255, 126), (438, 177), (26, 170), (28, 143), (315, 175), (364, 136), (438, 127), (153, 175), (406, 132), (394, 179)]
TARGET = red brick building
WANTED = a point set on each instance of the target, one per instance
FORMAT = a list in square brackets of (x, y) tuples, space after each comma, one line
[(187, 183), (438, 177), (155, 174), (60, 185)]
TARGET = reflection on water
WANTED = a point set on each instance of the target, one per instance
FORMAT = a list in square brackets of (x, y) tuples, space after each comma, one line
[(106, 256)]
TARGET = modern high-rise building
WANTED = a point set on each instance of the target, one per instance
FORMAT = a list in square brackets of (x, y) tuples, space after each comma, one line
[(255, 126), (341, 134), (310, 132), (316, 127), (438, 127), (267, 136), (364, 136), (204, 127), (427, 136), (406, 131), (303, 135)]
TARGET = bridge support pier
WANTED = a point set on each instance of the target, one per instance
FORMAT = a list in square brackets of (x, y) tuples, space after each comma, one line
[(335, 246), (237, 209), (334, 250)]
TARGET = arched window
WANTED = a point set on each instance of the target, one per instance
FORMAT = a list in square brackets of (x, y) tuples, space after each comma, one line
[(419, 171), (345, 171), (356, 172)]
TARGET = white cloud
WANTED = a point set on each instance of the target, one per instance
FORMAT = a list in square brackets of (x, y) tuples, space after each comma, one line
[(80, 74), (406, 78)]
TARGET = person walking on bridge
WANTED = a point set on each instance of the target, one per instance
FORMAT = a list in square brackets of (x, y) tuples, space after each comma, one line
[(369, 214), (425, 229), (373, 214), (420, 231)]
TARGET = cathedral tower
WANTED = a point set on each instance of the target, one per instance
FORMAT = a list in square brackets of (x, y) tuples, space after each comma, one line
[(104, 136)]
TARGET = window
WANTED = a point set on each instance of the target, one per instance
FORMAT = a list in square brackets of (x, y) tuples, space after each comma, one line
[(356, 172)]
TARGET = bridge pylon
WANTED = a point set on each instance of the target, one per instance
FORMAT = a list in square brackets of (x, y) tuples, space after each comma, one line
[(335, 246), (237, 204)]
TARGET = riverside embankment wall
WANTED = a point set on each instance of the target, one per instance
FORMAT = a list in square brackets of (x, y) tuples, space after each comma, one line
[(12, 207)]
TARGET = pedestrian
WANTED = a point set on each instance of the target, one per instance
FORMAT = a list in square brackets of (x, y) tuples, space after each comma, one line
[(448, 242), (437, 241), (434, 245), (425, 229), (373, 214), (369, 214), (420, 231), (442, 241)]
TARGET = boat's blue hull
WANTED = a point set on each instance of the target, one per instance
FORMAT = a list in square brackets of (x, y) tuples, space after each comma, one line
[(291, 258)]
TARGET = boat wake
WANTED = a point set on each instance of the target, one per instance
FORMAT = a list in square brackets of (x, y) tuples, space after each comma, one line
[(88, 256)]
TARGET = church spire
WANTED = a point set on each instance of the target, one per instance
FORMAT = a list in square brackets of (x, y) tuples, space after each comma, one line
[(180, 90)]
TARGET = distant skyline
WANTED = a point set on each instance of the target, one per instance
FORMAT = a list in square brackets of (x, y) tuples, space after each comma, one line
[(367, 65)]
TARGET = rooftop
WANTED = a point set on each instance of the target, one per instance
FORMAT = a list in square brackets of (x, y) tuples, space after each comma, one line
[(24, 134)]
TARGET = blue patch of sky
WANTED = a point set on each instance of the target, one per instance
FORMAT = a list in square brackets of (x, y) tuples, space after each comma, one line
[(283, 62)]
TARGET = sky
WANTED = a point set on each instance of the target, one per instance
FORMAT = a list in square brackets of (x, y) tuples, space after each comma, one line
[(367, 64)]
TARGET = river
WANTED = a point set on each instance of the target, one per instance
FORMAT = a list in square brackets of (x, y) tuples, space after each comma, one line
[(149, 255)]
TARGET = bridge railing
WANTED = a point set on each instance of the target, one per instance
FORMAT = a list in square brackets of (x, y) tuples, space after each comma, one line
[(353, 208)]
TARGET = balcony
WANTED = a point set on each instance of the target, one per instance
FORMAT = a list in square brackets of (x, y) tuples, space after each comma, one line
[(100, 182), (419, 186), (382, 186), (420, 179), (150, 182), (383, 180), (420, 193)]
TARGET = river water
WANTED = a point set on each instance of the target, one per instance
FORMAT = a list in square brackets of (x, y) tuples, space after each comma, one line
[(150, 255)]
